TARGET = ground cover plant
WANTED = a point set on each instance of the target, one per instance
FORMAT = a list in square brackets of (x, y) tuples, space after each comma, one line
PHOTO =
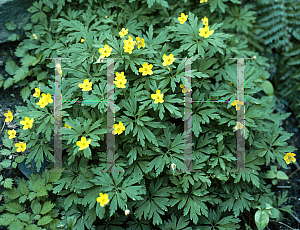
[(149, 117)]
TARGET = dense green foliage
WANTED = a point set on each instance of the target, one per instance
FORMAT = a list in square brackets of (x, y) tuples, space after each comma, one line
[(156, 196)]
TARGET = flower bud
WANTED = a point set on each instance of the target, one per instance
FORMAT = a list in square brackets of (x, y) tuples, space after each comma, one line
[(127, 212), (173, 166), (254, 57), (10, 157)]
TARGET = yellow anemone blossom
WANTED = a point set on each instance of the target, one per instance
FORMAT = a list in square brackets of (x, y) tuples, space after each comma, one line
[(120, 76), (204, 32), (67, 126), (47, 98), (128, 48), (105, 52), (237, 104), (201, 1), (158, 97), (123, 32), (37, 92), (27, 123), (183, 18), (147, 69), (121, 83), (289, 157), (34, 35), (129, 41), (83, 144), (12, 134), (140, 42), (118, 129), (184, 89), (205, 21), (81, 40), (103, 199), (168, 60), (86, 85), (20, 147), (42, 102), (9, 116)]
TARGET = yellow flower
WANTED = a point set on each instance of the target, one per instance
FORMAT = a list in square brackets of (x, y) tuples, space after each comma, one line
[(47, 98), (128, 48), (67, 126), (27, 123), (12, 134), (168, 60), (289, 157), (146, 69), (20, 147), (183, 18), (129, 41), (34, 35), (81, 40), (239, 126), (37, 92), (121, 83), (86, 85), (184, 89), (42, 102), (83, 144), (123, 32), (103, 199), (205, 21), (204, 32), (105, 52), (158, 97), (119, 76), (140, 42), (118, 129), (58, 67), (9, 116), (201, 1), (237, 104)]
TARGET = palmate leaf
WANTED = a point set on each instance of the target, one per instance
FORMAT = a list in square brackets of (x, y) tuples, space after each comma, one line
[(214, 219), (192, 202), (156, 205), (172, 223)]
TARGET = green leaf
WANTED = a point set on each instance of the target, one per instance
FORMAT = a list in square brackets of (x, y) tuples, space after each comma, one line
[(12, 193), (44, 220), (24, 217), (47, 208), (28, 61), (8, 82), (36, 207), (10, 26), (7, 218), (31, 227), (282, 176), (5, 163), (14, 165), (25, 92), (20, 159), (11, 67), (8, 183), (23, 188), (12, 37), (5, 152), (261, 219), (14, 207), (21, 73), (54, 176), (28, 26), (267, 87)]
